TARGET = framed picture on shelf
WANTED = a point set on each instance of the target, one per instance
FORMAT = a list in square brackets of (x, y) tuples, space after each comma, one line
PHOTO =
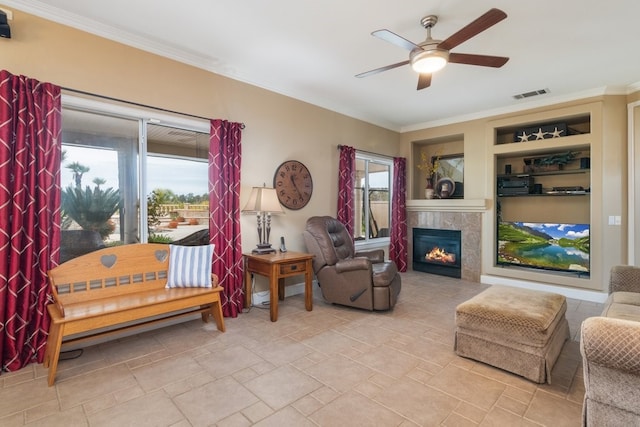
[(451, 166)]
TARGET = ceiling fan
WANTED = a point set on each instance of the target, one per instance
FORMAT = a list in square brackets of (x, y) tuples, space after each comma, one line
[(432, 55)]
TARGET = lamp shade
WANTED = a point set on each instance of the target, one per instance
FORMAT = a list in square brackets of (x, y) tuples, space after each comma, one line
[(263, 199)]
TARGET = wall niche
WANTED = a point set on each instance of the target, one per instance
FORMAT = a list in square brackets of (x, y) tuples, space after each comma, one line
[(450, 149)]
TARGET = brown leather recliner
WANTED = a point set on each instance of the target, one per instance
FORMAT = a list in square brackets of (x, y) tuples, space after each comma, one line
[(356, 279)]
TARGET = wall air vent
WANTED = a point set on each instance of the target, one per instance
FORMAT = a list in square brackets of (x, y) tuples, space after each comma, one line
[(530, 94)]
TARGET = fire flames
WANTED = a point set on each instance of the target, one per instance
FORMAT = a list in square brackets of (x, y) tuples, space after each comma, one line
[(440, 255)]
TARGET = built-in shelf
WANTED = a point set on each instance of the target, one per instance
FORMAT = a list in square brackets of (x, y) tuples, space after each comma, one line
[(567, 191), (576, 125), (546, 173), (555, 190), (559, 194)]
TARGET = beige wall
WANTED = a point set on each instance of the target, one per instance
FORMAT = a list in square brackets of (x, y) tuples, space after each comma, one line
[(633, 239), (608, 177), (278, 128)]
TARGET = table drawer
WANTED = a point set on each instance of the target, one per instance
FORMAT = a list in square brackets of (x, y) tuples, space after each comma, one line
[(294, 267)]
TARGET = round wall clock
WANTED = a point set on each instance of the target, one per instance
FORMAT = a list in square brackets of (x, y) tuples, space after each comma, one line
[(293, 184)]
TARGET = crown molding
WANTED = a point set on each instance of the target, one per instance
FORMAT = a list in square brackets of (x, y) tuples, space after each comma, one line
[(51, 13), (632, 88), (43, 10), (521, 106)]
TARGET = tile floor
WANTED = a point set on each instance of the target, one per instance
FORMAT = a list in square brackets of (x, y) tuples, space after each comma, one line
[(333, 366)]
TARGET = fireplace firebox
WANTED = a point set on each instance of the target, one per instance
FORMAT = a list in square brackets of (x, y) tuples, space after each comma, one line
[(437, 251)]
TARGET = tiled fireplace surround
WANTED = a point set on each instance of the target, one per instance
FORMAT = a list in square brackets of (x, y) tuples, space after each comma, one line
[(469, 222)]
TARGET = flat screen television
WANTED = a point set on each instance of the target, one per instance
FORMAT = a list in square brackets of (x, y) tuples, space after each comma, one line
[(558, 247)]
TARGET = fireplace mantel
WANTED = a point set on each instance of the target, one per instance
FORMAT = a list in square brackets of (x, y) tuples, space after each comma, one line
[(448, 205), (453, 214)]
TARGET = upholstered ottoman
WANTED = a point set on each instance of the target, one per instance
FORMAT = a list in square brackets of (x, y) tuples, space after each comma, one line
[(518, 330)]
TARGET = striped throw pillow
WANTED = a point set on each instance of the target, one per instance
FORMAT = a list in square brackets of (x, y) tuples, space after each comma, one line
[(190, 266)]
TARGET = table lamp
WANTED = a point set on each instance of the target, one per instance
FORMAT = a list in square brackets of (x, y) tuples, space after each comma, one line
[(263, 201)]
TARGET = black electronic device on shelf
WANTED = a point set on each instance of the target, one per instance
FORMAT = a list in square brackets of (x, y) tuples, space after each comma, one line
[(515, 185)]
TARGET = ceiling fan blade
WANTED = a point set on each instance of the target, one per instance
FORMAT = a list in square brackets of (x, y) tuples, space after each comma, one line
[(482, 60), (381, 69), (424, 81), (487, 20), (395, 39)]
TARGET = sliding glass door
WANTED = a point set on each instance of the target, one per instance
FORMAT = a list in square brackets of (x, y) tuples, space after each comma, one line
[(177, 185), (99, 176), (126, 180)]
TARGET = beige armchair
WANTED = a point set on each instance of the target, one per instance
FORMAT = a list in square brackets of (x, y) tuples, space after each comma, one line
[(610, 347), (363, 279)]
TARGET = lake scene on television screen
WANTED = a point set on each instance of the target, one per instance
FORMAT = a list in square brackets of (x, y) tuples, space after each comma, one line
[(563, 247)]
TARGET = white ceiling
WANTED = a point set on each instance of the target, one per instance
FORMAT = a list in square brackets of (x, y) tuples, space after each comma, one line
[(311, 50)]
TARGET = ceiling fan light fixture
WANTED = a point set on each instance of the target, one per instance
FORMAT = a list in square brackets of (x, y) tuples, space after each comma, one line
[(433, 55), (429, 61)]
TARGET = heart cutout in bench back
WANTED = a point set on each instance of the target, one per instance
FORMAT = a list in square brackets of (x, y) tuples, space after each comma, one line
[(108, 260), (161, 255)]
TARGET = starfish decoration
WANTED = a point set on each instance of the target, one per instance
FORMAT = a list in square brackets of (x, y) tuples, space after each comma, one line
[(524, 137), (540, 134), (556, 133)]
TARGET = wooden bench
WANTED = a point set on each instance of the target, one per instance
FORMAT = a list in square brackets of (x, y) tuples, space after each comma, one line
[(112, 290)]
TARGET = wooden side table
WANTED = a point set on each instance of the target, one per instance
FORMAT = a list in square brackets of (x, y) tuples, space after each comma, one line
[(276, 267)]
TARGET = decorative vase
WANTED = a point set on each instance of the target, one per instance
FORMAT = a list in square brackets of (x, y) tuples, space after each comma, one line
[(429, 192)]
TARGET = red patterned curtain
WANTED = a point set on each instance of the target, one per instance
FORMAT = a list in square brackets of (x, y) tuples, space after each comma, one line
[(224, 211), (30, 141), (398, 232), (346, 183)]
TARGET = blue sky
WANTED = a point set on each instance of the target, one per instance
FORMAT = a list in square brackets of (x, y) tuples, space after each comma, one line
[(570, 231), (178, 175)]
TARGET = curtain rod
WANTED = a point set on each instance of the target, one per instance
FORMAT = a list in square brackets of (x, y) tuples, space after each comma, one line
[(368, 152), (164, 110)]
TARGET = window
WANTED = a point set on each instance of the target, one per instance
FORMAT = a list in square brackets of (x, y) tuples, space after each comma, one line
[(372, 196), (176, 183), (99, 175), (124, 180)]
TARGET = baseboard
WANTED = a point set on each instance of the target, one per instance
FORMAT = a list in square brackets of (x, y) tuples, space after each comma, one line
[(580, 294), (261, 298)]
